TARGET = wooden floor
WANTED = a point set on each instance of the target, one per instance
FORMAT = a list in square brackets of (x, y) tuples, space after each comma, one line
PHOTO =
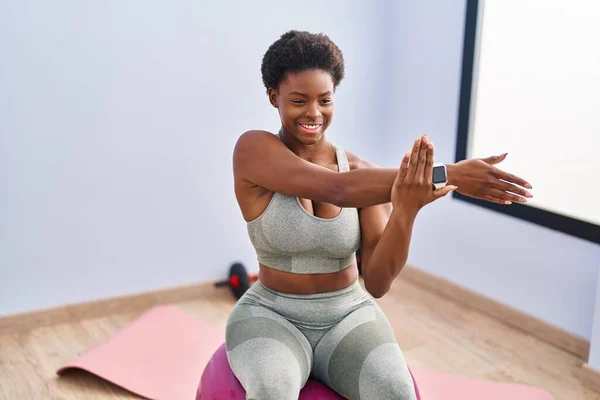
[(433, 331)]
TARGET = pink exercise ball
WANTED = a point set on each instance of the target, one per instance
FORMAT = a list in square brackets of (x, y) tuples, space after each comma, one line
[(219, 383)]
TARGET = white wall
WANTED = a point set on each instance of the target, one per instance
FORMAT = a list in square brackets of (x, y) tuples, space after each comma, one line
[(117, 123), (594, 358), (118, 120), (547, 274)]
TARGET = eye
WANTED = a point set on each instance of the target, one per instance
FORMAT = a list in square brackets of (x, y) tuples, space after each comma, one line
[(326, 101), (298, 101)]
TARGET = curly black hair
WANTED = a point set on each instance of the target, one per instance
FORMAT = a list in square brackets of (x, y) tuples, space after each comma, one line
[(297, 51)]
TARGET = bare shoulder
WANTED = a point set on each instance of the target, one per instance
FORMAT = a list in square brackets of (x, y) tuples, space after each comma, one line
[(357, 162), (249, 144), (250, 196), (252, 138)]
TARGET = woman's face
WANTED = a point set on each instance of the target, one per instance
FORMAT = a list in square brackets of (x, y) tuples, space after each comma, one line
[(305, 104)]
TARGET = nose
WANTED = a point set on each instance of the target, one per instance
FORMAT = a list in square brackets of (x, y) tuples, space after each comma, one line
[(313, 111)]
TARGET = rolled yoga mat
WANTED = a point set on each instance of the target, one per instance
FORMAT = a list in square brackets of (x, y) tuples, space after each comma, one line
[(162, 355)]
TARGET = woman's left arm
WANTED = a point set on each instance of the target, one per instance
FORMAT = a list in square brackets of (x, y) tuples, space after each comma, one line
[(390, 232), (385, 246), (386, 231)]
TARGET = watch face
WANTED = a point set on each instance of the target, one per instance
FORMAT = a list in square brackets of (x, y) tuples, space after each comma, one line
[(439, 174)]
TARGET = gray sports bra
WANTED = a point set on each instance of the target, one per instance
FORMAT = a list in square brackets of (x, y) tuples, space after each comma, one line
[(288, 238)]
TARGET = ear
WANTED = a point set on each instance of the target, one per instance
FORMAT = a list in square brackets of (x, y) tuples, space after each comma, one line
[(273, 97)]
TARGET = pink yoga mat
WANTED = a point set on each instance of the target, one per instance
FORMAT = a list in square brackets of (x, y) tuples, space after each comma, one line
[(162, 355), (437, 385)]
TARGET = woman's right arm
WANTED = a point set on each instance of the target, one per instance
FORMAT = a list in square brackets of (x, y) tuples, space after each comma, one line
[(261, 159)]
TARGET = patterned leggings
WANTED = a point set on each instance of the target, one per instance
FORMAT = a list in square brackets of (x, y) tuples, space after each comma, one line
[(275, 341)]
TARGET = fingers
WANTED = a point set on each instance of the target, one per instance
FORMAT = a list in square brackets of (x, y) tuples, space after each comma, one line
[(404, 166), (509, 187), (423, 149), (511, 178), (495, 159), (502, 197), (497, 200), (428, 172), (443, 191), (414, 159)]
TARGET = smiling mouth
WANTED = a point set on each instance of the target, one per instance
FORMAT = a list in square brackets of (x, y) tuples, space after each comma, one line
[(311, 127)]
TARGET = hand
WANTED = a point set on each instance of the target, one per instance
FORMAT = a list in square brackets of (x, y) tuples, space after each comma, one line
[(413, 187), (478, 178)]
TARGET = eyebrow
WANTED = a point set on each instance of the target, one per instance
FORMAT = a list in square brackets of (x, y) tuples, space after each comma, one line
[(302, 94)]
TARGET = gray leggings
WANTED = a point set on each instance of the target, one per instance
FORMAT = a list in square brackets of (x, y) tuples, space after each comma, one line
[(275, 341)]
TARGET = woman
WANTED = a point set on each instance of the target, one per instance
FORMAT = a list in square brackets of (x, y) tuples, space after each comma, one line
[(308, 206)]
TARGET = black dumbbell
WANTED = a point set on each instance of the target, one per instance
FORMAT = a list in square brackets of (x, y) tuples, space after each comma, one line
[(239, 281)]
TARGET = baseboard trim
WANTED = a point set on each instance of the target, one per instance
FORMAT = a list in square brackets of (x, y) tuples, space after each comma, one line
[(130, 303), (565, 340), (138, 302), (590, 377)]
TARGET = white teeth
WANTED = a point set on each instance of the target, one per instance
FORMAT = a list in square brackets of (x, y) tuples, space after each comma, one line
[(311, 127)]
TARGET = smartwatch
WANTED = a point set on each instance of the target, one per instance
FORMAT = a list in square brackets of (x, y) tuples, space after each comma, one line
[(439, 177)]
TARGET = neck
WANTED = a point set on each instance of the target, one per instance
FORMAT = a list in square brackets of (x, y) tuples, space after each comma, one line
[(319, 153)]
